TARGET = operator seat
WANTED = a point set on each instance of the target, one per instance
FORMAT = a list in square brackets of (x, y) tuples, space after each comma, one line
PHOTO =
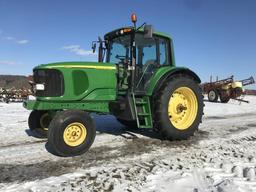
[(149, 66), (147, 71)]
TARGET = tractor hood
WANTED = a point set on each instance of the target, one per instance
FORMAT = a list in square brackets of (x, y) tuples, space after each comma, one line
[(81, 65), (76, 81)]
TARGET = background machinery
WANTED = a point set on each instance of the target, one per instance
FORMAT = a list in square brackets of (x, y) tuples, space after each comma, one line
[(226, 89)]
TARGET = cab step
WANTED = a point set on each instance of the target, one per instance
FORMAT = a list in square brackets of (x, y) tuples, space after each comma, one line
[(143, 114), (142, 111), (141, 102)]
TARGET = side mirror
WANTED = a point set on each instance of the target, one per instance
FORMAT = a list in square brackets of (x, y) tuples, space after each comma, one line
[(100, 56), (93, 47), (148, 31)]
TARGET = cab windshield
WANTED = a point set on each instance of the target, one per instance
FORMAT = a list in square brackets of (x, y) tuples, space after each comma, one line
[(154, 50), (119, 48)]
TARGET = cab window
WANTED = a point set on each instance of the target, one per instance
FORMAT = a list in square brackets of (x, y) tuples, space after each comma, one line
[(117, 50), (149, 54), (155, 50), (163, 52)]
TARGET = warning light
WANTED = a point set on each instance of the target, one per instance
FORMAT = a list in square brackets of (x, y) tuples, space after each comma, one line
[(134, 18)]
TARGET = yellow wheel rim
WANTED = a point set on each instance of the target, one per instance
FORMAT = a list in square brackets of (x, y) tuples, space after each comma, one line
[(74, 134), (44, 121), (182, 108)]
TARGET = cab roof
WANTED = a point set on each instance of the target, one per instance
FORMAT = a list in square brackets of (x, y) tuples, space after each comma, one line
[(117, 32)]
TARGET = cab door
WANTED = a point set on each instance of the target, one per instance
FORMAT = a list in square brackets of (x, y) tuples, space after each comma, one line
[(151, 55)]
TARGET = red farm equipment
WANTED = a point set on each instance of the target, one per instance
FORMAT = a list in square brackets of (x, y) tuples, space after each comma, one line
[(226, 89)]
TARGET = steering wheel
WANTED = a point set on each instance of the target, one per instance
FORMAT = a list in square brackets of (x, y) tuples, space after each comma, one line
[(122, 58)]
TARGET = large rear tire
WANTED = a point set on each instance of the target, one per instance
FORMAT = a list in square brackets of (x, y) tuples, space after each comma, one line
[(71, 133), (178, 108), (38, 123)]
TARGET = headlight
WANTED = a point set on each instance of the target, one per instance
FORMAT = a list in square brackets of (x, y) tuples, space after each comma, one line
[(31, 98), (39, 87)]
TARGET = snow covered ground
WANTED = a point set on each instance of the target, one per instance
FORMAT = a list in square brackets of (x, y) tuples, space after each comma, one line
[(221, 157)]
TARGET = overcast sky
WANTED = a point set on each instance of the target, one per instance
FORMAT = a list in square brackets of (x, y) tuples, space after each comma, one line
[(212, 37)]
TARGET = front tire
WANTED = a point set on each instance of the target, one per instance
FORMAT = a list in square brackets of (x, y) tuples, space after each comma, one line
[(71, 133), (38, 123), (178, 108)]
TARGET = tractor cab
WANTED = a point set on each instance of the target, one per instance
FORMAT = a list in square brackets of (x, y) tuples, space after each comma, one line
[(143, 60), (137, 53)]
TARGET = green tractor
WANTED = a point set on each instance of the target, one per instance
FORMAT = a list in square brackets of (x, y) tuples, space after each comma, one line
[(135, 79)]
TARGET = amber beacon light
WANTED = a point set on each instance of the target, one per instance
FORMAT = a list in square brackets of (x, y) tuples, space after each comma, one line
[(134, 18)]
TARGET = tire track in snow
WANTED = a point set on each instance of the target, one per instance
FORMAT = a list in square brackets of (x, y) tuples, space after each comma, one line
[(94, 157), (22, 143)]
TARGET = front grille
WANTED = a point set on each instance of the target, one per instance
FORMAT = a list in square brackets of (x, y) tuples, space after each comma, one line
[(52, 80)]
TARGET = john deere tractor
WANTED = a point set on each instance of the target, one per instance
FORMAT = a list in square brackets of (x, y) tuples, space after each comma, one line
[(135, 79)]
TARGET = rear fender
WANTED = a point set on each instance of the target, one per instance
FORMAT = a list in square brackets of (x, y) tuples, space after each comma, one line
[(165, 73)]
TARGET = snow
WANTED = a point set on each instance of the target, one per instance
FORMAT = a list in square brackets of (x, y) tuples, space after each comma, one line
[(233, 107), (220, 157)]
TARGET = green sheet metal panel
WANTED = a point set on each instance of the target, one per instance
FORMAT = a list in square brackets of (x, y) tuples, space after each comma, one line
[(82, 79)]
